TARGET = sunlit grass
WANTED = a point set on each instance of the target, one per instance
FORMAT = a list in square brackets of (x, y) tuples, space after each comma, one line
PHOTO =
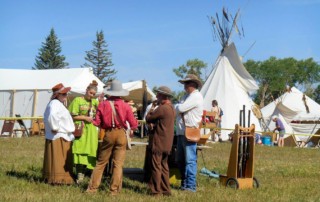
[(284, 174)]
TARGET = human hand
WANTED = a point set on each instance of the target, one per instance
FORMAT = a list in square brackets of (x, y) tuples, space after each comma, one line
[(89, 119)]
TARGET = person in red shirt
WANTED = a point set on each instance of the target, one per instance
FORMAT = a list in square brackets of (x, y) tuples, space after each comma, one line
[(112, 115)]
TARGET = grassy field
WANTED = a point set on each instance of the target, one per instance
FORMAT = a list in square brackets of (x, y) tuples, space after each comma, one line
[(284, 174)]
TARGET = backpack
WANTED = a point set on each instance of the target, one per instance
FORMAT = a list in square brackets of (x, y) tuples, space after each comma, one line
[(221, 112)]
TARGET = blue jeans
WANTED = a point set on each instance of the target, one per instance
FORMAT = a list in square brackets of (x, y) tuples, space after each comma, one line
[(187, 163)]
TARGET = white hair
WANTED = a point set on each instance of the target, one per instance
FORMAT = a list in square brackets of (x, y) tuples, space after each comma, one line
[(274, 117)]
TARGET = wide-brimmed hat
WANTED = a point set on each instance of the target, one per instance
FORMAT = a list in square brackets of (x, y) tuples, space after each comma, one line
[(59, 89), (193, 78), (164, 90), (116, 89)]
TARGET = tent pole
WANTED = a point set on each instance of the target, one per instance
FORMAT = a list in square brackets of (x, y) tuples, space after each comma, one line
[(35, 98), (12, 103)]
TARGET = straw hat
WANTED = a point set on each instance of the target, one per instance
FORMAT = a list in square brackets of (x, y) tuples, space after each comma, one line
[(116, 89), (193, 78), (164, 90)]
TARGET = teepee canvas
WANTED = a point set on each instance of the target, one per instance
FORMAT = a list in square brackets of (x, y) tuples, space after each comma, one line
[(230, 84)]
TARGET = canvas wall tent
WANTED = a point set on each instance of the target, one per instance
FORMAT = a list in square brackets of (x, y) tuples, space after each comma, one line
[(136, 90), (292, 111), (230, 84), (27, 92)]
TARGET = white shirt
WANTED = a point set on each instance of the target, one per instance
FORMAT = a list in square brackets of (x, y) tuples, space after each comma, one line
[(147, 110), (192, 107), (57, 117)]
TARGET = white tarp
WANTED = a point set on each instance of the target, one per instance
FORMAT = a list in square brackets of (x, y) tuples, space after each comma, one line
[(230, 84), (292, 111), (27, 92)]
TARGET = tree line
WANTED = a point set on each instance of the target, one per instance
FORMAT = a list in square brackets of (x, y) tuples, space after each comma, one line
[(274, 75), (99, 58)]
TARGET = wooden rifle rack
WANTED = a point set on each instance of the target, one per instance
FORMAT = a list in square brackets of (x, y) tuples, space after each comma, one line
[(241, 161), (240, 176)]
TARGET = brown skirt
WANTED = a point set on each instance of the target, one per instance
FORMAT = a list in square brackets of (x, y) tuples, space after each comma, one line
[(58, 162)]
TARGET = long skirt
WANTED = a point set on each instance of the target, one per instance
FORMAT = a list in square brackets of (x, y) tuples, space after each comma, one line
[(58, 162)]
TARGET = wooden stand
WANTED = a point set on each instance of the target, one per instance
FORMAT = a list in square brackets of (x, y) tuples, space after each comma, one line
[(240, 168)]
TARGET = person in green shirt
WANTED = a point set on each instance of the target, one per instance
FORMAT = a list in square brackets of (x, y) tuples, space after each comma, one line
[(84, 148)]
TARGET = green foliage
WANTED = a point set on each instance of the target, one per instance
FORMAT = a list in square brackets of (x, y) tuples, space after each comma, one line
[(194, 66), (274, 75), (49, 54), (100, 60), (316, 94)]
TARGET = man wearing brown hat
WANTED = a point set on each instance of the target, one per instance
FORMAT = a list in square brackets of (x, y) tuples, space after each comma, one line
[(160, 142), (189, 114)]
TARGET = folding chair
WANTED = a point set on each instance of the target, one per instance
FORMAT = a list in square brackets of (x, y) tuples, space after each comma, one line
[(23, 127), (7, 128)]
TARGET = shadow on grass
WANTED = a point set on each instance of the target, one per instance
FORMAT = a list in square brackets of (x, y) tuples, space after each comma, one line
[(33, 174), (134, 175)]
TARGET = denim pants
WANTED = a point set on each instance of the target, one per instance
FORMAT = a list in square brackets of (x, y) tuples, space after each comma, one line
[(187, 163)]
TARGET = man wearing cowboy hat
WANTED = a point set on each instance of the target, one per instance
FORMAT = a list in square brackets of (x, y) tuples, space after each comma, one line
[(112, 115), (189, 114), (160, 142)]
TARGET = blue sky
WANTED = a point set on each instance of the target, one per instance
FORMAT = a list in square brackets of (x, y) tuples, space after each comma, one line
[(148, 38)]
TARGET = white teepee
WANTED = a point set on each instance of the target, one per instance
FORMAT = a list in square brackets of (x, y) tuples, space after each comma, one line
[(230, 84)]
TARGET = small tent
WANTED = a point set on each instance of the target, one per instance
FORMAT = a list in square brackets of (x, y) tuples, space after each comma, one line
[(230, 84), (27, 92), (299, 114)]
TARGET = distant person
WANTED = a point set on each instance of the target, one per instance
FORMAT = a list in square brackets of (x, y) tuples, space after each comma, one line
[(84, 148), (189, 114), (216, 118), (58, 161), (280, 128), (112, 115), (160, 142), (151, 106)]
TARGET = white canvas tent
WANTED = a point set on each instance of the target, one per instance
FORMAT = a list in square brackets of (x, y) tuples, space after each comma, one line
[(230, 84), (137, 89), (292, 111), (27, 92)]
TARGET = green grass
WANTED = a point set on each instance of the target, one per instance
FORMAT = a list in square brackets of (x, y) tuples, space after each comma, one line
[(284, 174)]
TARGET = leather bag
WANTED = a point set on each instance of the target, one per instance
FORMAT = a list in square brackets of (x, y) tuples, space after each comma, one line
[(192, 134), (78, 129)]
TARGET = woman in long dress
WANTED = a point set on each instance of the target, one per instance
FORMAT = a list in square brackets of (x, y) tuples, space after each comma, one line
[(84, 149), (58, 161)]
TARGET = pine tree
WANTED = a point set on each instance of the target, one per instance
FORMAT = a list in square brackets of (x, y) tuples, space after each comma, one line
[(100, 59), (49, 54)]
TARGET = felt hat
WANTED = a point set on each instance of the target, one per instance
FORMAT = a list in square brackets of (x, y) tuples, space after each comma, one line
[(59, 89), (164, 90), (192, 78), (116, 89)]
